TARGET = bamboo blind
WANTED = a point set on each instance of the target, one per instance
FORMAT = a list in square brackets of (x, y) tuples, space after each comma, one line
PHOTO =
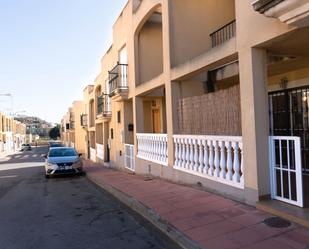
[(216, 113)]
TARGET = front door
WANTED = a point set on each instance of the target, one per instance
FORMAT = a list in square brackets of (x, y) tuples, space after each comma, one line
[(289, 124), (289, 117), (156, 121)]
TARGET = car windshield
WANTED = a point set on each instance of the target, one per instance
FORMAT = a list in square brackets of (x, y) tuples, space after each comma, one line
[(55, 145), (62, 152)]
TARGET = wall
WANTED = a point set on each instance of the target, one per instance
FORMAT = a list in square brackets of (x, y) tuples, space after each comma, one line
[(99, 133), (192, 21), (128, 119), (150, 52)]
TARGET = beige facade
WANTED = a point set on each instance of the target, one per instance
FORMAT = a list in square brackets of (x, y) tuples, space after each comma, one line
[(72, 131), (12, 133), (191, 88)]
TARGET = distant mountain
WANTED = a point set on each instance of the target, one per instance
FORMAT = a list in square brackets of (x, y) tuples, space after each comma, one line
[(35, 125)]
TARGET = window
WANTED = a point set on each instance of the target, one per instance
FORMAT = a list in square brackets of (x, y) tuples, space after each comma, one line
[(119, 117)]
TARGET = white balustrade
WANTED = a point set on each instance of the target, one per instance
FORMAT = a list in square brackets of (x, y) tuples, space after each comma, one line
[(100, 151), (93, 154), (214, 157), (152, 147)]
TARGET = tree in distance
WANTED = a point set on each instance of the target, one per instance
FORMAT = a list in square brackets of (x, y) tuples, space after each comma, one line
[(54, 133)]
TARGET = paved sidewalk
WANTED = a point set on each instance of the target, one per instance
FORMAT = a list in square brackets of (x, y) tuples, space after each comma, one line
[(208, 219)]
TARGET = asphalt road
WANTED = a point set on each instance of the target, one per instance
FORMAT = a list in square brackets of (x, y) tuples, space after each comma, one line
[(63, 213)]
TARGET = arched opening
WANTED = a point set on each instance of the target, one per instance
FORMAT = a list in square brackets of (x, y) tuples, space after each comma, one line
[(149, 48)]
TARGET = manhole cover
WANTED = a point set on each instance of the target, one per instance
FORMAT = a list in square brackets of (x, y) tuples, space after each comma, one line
[(277, 222)]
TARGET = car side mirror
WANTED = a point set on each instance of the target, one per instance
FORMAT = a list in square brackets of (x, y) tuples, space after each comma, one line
[(80, 154), (45, 156)]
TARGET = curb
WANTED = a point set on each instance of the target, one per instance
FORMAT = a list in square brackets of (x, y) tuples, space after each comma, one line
[(182, 240)]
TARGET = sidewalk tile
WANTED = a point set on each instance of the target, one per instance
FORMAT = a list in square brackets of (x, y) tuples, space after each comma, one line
[(211, 220)]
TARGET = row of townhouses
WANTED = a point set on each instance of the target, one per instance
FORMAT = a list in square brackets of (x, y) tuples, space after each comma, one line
[(12, 133), (203, 92)]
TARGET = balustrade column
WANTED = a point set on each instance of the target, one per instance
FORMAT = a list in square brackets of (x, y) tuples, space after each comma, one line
[(217, 161), (201, 156), (183, 153), (187, 153), (196, 158), (229, 163), (222, 160), (211, 158), (236, 166), (205, 169), (176, 151)]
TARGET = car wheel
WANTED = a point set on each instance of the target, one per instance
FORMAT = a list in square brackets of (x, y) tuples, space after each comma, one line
[(47, 176)]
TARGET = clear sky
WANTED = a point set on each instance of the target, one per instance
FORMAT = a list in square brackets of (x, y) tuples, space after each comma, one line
[(50, 50)]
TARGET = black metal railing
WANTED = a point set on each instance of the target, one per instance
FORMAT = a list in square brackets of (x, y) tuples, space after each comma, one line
[(118, 78), (84, 120), (107, 105), (99, 104), (223, 34)]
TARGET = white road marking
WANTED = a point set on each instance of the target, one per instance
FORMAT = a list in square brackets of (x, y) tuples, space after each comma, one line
[(17, 156), (9, 166), (25, 156), (35, 155), (2, 177)]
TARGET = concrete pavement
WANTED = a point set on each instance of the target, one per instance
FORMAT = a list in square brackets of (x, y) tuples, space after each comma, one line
[(195, 218)]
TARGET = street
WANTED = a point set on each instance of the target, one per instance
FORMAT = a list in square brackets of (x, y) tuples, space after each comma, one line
[(63, 212)]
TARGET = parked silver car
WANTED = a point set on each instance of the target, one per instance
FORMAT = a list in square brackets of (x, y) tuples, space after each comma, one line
[(63, 160)]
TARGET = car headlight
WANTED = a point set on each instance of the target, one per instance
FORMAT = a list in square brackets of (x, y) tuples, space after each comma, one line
[(51, 164)]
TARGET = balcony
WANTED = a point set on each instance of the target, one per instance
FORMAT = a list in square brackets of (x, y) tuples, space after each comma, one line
[(291, 12), (264, 5), (84, 120), (104, 110), (72, 125), (118, 83), (223, 34)]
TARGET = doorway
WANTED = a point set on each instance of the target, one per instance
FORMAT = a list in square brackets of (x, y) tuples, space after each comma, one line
[(156, 121), (289, 118)]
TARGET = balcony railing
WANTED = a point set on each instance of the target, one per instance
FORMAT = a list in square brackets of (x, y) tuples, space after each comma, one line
[(223, 34), (84, 120), (104, 105), (100, 104), (118, 78)]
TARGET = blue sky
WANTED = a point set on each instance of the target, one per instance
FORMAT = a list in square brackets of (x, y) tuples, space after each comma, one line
[(50, 50)]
